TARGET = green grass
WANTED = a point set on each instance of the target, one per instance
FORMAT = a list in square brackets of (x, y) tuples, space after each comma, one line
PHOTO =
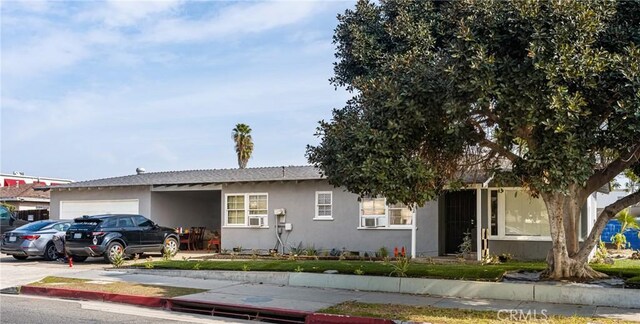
[(429, 314), (467, 271)]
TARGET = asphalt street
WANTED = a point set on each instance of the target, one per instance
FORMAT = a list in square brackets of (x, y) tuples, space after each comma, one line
[(28, 309)]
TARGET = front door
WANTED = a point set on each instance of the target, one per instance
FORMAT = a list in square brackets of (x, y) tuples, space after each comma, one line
[(460, 218)]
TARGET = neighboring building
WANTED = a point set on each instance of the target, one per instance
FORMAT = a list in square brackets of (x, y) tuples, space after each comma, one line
[(242, 204), (18, 178), (24, 197), (606, 199)]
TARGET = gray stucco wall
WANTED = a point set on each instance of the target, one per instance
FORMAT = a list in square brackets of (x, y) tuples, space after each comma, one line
[(521, 250), (342, 232), (186, 208), (142, 193)]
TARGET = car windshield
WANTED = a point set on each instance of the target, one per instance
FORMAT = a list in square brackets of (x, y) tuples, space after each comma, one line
[(32, 227)]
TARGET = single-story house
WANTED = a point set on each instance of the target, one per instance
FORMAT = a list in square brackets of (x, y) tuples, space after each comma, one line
[(24, 197), (259, 208)]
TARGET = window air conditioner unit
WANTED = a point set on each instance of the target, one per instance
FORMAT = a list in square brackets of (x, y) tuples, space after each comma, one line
[(255, 221), (370, 222)]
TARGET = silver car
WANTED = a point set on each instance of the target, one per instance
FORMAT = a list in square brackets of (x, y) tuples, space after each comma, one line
[(34, 239)]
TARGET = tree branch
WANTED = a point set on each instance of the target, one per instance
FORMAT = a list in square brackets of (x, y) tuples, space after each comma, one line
[(601, 178), (607, 214), (499, 149), (492, 145)]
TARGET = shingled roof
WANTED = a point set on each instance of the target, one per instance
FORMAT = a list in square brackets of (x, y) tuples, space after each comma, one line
[(219, 176), (213, 176), (23, 191)]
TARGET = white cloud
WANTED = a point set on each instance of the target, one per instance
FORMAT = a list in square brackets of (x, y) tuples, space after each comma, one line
[(123, 13), (53, 52), (235, 20)]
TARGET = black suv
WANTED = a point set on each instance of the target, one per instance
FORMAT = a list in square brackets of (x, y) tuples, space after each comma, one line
[(109, 235)]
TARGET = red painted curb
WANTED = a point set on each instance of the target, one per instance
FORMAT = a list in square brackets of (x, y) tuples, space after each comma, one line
[(339, 319), (94, 295)]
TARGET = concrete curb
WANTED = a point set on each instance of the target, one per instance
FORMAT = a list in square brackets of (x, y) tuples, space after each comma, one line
[(561, 294)]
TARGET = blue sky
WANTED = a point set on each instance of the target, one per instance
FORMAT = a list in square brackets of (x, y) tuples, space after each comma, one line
[(96, 89)]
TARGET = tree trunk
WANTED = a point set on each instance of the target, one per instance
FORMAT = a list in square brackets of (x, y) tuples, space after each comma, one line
[(571, 220), (563, 260)]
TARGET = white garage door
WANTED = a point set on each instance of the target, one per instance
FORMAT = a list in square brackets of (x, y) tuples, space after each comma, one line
[(70, 209)]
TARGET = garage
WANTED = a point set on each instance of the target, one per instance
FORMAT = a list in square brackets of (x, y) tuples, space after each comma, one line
[(70, 209)]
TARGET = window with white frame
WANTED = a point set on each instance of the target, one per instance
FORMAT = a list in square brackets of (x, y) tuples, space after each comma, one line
[(324, 201), (247, 210), (515, 213), (375, 213)]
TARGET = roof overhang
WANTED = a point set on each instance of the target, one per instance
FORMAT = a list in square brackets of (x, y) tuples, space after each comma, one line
[(187, 187)]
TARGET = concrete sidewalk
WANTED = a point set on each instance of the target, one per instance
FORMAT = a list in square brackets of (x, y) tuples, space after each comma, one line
[(314, 299)]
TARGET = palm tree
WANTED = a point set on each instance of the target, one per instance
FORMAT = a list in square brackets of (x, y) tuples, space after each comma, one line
[(627, 221), (244, 145)]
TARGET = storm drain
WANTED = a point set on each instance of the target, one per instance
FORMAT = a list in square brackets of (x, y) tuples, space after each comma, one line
[(237, 312)]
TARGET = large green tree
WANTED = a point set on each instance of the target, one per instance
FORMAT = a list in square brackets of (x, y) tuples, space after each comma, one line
[(543, 94), (241, 135)]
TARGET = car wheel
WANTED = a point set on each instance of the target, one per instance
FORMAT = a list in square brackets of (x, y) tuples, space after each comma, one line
[(113, 249), (170, 245), (50, 252), (20, 257), (77, 258)]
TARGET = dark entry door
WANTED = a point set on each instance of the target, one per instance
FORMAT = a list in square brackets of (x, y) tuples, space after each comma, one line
[(460, 217)]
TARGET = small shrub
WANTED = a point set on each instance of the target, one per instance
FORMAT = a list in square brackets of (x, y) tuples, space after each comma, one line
[(466, 246), (291, 257), (245, 267), (298, 269), (196, 266), (400, 267), (166, 255), (382, 252), (118, 260), (185, 258), (505, 257), (601, 255), (385, 260), (359, 271), (148, 263), (136, 257), (490, 259), (297, 250), (310, 250)]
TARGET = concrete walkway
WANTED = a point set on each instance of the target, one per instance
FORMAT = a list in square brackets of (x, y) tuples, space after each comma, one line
[(313, 299)]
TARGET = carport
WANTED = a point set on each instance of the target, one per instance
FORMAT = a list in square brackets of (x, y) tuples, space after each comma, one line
[(187, 206)]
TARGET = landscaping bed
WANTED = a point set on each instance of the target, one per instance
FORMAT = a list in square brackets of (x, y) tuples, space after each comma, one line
[(625, 269)]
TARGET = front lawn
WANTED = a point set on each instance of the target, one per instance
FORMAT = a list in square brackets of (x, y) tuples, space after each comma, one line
[(466, 271)]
